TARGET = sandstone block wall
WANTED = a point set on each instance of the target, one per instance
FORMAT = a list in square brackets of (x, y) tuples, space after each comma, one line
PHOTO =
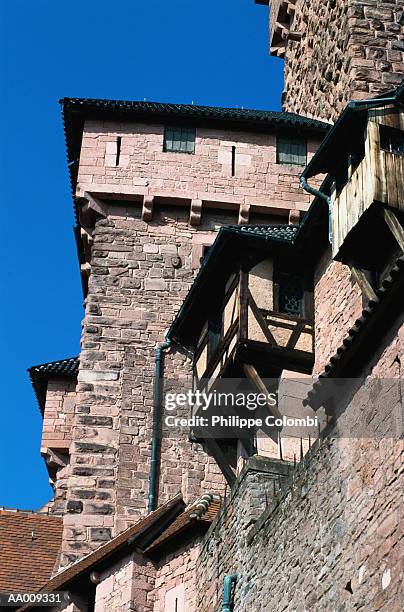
[(344, 50), (57, 432), (58, 415), (176, 579), (144, 169), (134, 293), (332, 538), (126, 586), (139, 275), (224, 547), (338, 303)]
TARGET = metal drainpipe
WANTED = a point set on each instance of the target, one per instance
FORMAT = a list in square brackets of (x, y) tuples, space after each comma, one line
[(158, 368), (319, 194), (228, 583)]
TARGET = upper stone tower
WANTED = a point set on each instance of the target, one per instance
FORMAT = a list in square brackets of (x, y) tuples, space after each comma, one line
[(336, 51)]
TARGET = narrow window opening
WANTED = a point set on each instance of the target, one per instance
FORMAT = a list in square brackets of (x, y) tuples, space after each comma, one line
[(290, 293), (118, 150), (391, 139), (233, 161), (176, 605)]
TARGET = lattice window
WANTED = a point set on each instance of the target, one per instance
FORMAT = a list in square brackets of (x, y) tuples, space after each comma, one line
[(291, 151), (179, 139), (290, 294)]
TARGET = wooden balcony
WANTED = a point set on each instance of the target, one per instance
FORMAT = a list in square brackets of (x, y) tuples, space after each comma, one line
[(377, 180)]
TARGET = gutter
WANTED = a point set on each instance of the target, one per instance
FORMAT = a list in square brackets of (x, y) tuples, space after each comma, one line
[(158, 370), (228, 592), (322, 195)]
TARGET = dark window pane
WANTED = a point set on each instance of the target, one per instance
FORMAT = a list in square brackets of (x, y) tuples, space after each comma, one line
[(290, 294), (391, 140), (291, 151), (179, 140)]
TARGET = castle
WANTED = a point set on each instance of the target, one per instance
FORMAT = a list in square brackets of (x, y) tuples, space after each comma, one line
[(220, 245)]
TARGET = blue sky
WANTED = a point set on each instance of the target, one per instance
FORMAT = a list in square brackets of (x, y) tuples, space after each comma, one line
[(211, 52)]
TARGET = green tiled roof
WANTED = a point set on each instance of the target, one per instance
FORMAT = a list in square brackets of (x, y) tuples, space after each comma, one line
[(193, 111), (40, 374), (269, 232)]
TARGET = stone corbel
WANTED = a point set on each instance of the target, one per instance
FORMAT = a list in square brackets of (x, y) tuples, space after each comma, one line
[(195, 212), (89, 208), (295, 35), (244, 214), (278, 50), (87, 241), (85, 269), (96, 205), (147, 208)]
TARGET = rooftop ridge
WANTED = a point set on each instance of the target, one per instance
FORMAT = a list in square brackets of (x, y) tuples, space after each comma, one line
[(230, 112)]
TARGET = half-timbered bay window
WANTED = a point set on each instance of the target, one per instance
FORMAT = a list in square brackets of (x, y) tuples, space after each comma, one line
[(179, 139), (247, 318)]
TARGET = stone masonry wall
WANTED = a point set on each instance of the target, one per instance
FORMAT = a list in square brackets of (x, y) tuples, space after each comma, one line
[(126, 586), (332, 538), (140, 274), (58, 415), (349, 49), (57, 431), (144, 169), (134, 293), (176, 575), (224, 547), (337, 303)]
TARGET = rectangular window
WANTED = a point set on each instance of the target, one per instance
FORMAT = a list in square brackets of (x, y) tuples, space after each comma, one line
[(179, 139), (290, 294), (291, 151), (391, 140)]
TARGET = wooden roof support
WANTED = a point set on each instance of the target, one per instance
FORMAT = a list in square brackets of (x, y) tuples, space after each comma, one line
[(218, 455), (395, 226), (255, 378), (363, 283)]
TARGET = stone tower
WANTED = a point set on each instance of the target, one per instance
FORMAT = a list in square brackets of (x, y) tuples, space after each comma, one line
[(336, 51), (152, 184)]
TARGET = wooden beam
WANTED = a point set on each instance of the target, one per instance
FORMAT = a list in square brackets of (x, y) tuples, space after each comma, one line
[(363, 283), (243, 318), (294, 336), (260, 320), (276, 358), (395, 226), (255, 378), (218, 455)]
